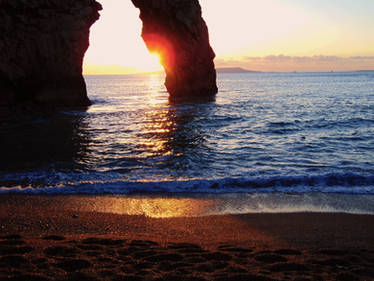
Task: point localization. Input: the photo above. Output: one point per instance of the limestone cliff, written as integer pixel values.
(176, 30)
(42, 45)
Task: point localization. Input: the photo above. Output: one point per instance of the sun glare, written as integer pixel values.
(150, 63)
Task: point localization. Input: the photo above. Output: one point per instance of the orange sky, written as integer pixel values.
(265, 35)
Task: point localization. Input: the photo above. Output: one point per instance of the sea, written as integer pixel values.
(267, 141)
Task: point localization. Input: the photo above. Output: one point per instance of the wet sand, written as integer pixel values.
(61, 238)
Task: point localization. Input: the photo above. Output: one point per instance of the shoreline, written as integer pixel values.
(315, 246)
(182, 218)
(163, 204)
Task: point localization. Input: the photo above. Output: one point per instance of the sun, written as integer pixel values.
(150, 62)
(158, 44)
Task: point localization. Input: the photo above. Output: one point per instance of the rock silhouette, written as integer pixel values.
(177, 32)
(42, 47)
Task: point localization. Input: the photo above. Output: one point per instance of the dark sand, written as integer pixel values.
(72, 238)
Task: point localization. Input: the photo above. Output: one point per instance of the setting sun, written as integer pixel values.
(150, 63)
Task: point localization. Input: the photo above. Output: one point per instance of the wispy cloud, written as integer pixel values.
(300, 63)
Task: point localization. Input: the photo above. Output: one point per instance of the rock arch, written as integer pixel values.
(43, 42)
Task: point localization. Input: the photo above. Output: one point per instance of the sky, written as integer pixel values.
(262, 35)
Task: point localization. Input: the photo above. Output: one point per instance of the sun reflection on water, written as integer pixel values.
(158, 124)
(135, 129)
(156, 91)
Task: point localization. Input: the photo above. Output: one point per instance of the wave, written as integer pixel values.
(318, 123)
(113, 183)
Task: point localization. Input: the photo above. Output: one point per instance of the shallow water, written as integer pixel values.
(264, 132)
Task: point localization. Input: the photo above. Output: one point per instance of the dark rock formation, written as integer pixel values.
(42, 45)
(176, 30)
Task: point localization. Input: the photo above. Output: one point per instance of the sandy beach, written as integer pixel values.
(63, 238)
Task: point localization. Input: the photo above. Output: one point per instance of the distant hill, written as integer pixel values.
(233, 70)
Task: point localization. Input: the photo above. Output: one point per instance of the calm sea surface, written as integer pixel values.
(265, 132)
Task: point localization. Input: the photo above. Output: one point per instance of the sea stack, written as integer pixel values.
(42, 46)
(176, 31)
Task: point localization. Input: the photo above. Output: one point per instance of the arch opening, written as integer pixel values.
(116, 46)
(175, 32)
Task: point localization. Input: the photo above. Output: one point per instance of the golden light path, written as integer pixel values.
(156, 206)
(145, 206)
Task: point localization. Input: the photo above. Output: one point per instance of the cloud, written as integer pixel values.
(299, 63)
(320, 58)
(362, 58)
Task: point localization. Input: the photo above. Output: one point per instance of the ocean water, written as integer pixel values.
(276, 133)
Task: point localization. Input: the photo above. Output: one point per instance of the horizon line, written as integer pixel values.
(244, 70)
